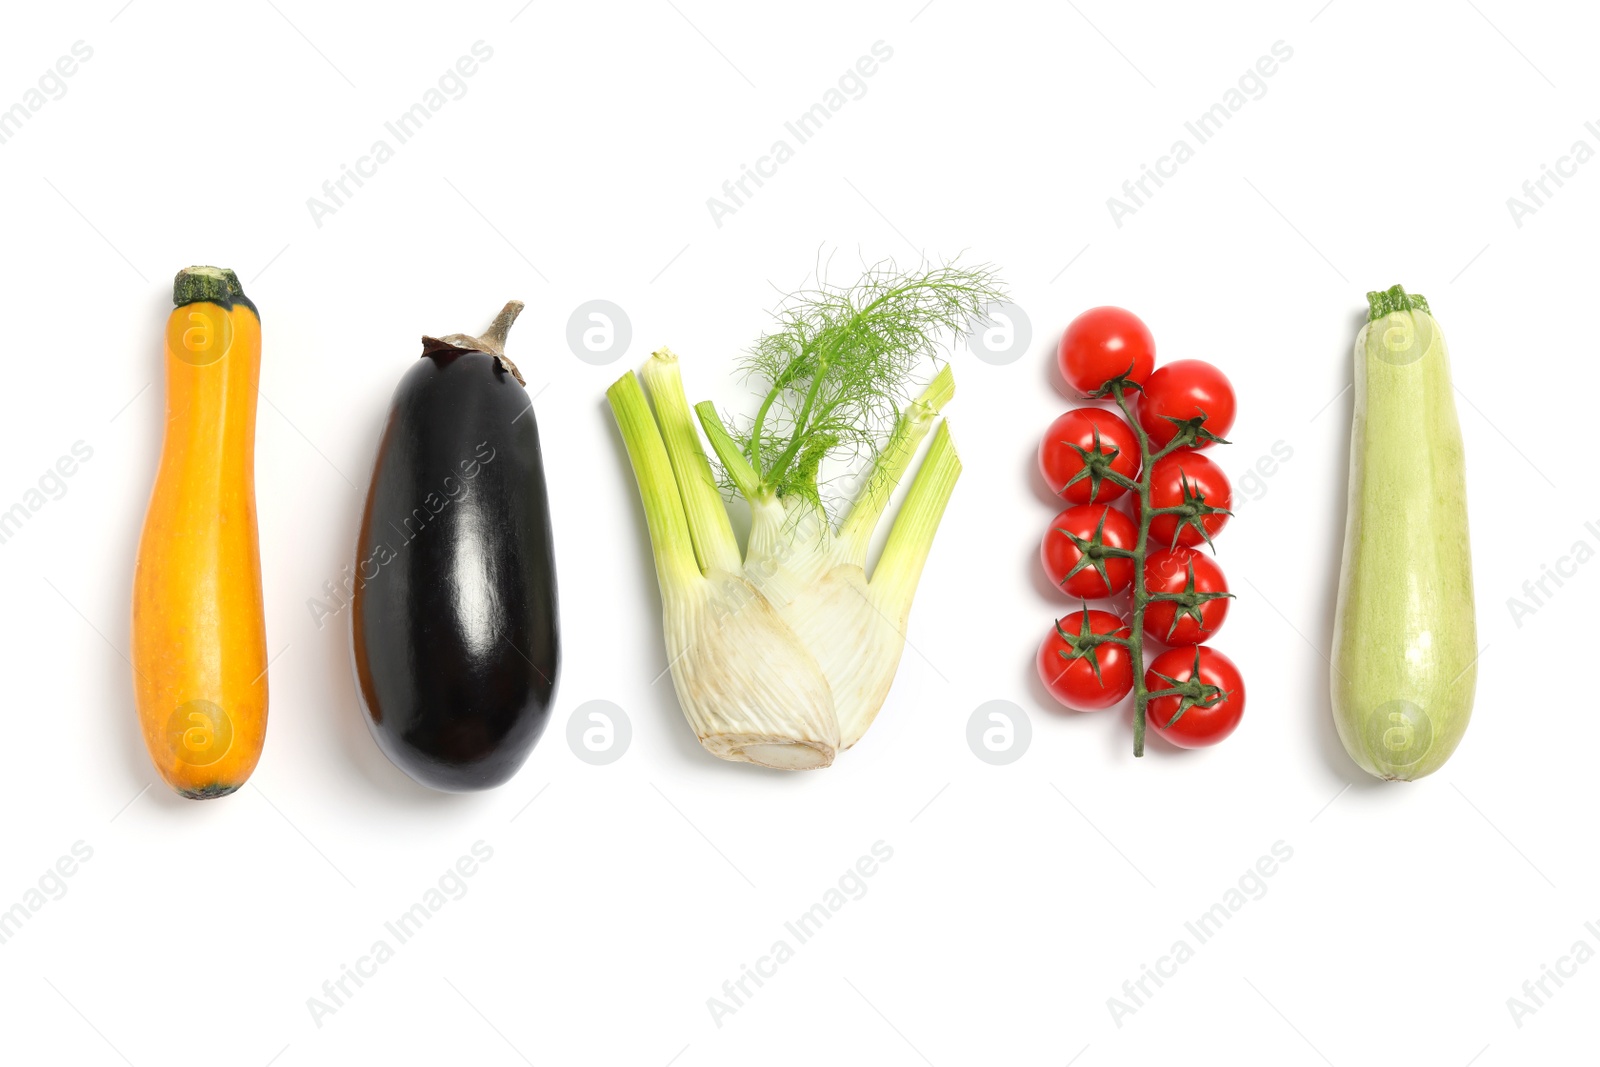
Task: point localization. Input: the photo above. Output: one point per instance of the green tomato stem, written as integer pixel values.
(1141, 597)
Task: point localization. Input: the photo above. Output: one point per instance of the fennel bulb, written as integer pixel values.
(783, 656)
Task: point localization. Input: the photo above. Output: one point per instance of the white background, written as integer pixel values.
(620, 898)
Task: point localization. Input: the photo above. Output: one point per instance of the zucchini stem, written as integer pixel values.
(214, 285)
(1393, 299)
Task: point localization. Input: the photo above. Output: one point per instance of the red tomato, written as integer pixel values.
(1201, 591)
(1105, 343)
(1210, 704)
(1087, 551)
(1081, 672)
(1186, 389)
(1081, 448)
(1190, 481)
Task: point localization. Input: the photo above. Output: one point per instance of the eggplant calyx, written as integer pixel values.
(493, 341)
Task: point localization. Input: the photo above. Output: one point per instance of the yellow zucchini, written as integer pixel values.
(199, 635)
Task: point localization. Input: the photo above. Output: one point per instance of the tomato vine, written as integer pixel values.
(1191, 512)
(1190, 694)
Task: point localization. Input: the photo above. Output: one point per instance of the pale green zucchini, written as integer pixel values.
(1405, 638)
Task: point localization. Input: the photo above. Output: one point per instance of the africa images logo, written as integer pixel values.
(199, 733)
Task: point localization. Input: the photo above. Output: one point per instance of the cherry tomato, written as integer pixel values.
(1195, 578)
(1104, 343)
(1080, 672)
(1186, 389)
(1081, 448)
(1212, 702)
(1190, 481)
(1087, 551)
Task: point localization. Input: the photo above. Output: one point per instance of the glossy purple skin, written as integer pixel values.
(455, 632)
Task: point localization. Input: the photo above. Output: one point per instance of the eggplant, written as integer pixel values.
(455, 634)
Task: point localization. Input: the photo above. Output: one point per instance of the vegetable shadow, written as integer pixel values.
(119, 704)
(1118, 742)
(334, 668)
(1051, 369)
(1036, 480)
(1054, 604)
(1331, 548)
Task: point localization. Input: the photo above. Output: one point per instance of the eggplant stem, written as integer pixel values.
(493, 341)
(495, 335)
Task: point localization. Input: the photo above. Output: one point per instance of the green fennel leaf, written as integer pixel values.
(837, 365)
